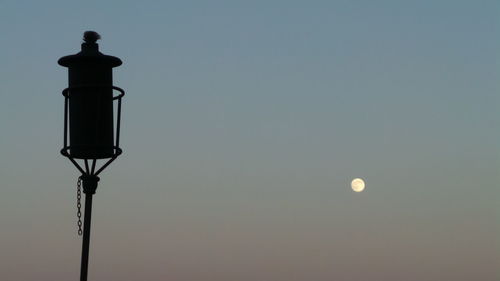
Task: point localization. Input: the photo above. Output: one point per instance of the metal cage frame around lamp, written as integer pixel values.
(90, 168)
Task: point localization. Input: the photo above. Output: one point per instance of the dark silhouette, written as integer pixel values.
(88, 103)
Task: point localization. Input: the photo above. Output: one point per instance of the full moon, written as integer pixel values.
(358, 185)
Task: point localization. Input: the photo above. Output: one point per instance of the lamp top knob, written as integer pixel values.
(91, 37)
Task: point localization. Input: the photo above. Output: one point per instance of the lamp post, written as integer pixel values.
(89, 122)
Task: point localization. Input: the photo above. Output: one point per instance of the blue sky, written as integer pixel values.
(243, 125)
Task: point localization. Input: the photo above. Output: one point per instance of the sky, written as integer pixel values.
(243, 124)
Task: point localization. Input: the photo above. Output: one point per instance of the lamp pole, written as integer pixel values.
(89, 187)
(90, 133)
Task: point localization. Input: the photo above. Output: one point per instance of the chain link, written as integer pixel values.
(79, 205)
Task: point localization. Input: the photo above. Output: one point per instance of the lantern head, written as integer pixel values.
(89, 103)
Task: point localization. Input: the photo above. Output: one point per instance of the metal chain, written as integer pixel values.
(79, 205)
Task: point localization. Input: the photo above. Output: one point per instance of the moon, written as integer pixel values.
(358, 185)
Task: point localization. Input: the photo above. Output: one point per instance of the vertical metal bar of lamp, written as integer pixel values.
(89, 123)
(89, 188)
(86, 237)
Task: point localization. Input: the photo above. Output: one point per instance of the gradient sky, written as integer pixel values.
(243, 124)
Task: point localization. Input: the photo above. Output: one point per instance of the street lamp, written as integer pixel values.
(89, 123)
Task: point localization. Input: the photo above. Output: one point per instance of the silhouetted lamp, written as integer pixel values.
(94, 135)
